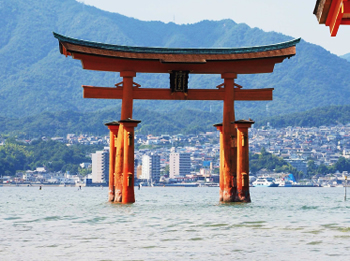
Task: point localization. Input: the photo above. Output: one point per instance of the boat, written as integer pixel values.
(265, 182)
(305, 185)
(283, 182)
(328, 186)
(182, 185)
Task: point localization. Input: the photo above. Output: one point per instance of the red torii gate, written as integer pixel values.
(179, 62)
(333, 13)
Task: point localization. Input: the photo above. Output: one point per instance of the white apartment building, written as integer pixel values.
(100, 166)
(136, 164)
(299, 164)
(151, 167)
(179, 164)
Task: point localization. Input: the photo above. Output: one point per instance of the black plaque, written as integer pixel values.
(179, 81)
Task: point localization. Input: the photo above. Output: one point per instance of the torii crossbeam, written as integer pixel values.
(165, 94)
(179, 62)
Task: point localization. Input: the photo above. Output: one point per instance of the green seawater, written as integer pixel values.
(63, 223)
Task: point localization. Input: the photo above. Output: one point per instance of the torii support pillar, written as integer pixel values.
(128, 194)
(113, 134)
(118, 170)
(242, 126)
(228, 141)
(221, 172)
(126, 113)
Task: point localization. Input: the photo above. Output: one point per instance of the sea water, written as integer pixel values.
(58, 223)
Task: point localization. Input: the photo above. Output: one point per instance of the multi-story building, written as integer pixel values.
(179, 164)
(136, 164)
(299, 164)
(151, 167)
(100, 166)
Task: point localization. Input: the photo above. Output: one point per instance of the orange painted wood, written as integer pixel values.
(254, 94)
(111, 167)
(112, 155)
(335, 16)
(128, 166)
(172, 58)
(333, 13)
(335, 5)
(102, 92)
(118, 176)
(165, 94)
(346, 7)
(263, 65)
(127, 101)
(233, 152)
(221, 167)
(334, 26)
(228, 116)
(114, 60)
(243, 194)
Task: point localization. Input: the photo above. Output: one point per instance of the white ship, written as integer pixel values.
(265, 182)
(283, 182)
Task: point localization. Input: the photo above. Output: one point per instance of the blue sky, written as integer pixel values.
(294, 18)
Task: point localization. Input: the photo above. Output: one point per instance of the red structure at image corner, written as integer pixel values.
(179, 62)
(333, 13)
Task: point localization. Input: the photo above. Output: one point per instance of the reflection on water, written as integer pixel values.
(173, 224)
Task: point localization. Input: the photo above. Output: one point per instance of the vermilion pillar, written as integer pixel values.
(221, 172)
(118, 172)
(127, 102)
(229, 134)
(128, 166)
(126, 113)
(243, 160)
(113, 134)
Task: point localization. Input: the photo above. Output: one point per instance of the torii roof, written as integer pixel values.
(118, 58)
(333, 13)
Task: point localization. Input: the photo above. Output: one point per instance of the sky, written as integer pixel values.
(294, 18)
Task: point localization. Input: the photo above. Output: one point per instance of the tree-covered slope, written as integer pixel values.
(36, 78)
(325, 116)
(62, 123)
(346, 56)
(184, 121)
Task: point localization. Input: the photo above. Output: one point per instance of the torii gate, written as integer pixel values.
(333, 13)
(179, 62)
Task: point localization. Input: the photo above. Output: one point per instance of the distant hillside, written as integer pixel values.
(35, 78)
(346, 56)
(325, 116)
(184, 121)
(61, 123)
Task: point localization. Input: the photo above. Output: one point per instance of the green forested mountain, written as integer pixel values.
(184, 121)
(36, 78)
(325, 116)
(61, 123)
(346, 56)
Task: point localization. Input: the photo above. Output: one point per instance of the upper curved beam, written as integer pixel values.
(161, 50)
(108, 57)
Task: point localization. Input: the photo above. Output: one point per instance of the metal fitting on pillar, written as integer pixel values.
(130, 179)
